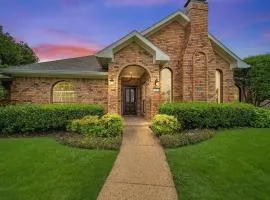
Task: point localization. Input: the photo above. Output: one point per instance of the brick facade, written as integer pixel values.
(131, 55)
(193, 62)
(39, 90)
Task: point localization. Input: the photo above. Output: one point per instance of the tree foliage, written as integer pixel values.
(255, 81)
(14, 53)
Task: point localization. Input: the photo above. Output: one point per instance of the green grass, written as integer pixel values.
(42, 169)
(234, 165)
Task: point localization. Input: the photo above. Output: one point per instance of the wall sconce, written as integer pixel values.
(156, 86)
(111, 81)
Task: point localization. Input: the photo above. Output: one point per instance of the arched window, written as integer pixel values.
(166, 84)
(63, 92)
(219, 86)
(237, 94)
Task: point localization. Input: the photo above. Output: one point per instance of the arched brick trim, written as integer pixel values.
(131, 64)
(119, 85)
(199, 76)
(172, 84)
(221, 84)
(57, 82)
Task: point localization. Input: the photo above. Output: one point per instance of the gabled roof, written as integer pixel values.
(184, 19)
(178, 15)
(109, 51)
(87, 66)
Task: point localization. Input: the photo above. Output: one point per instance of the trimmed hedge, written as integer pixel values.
(109, 125)
(165, 125)
(211, 115)
(33, 118)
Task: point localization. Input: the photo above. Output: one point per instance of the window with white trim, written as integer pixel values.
(63, 92)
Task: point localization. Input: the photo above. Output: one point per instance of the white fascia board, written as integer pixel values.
(239, 62)
(176, 14)
(109, 51)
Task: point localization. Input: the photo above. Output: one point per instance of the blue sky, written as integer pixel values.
(69, 28)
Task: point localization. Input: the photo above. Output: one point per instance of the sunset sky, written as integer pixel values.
(58, 29)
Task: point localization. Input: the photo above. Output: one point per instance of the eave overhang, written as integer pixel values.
(109, 52)
(56, 74)
(236, 61)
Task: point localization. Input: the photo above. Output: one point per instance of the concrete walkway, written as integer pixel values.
(141, 171)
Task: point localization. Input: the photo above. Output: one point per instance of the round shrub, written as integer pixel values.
(165, 125)
(109, 125)
(113, 125)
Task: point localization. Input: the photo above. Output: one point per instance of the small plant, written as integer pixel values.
(109, 125)
(113, 125)
(165, 125)
(185, 138)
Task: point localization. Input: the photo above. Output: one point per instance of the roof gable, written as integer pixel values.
(184, 19)
(178, 15)
(108, 52)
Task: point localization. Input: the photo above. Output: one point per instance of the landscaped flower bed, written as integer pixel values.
(94, 132)
(182, 124)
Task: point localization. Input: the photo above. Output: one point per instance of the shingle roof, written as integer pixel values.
(86, 63)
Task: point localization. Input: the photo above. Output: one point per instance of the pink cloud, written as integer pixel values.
(47, 52)
(66, 45)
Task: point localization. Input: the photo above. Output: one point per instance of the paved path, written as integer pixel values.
(141, 171)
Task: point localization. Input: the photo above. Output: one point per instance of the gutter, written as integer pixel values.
(56, 74)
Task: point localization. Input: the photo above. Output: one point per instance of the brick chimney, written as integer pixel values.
(198, 67)
(197, 11)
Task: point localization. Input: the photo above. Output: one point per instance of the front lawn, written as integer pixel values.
(234, 165)
(40, 168)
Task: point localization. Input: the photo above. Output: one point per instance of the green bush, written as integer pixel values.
(211, 115)
(33, 118)
(113, 125)
(109, 125)
(165, 125)
(184, 139)
(262, 119)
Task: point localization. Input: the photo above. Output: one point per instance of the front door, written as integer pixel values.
(130, 103)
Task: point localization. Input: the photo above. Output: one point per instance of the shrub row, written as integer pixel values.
(35, 118)
(109, 125)
(211, 115)
(184, 139)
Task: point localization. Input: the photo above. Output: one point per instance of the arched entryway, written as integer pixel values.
(134, 91)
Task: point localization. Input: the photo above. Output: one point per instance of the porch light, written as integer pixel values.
(156, 86)
(111, 81)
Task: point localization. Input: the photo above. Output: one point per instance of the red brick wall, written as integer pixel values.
(171, 40)
(38, 90)
(132, 54)
(228, 79)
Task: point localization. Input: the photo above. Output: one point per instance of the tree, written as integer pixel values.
(255, 81)
(14, 53)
